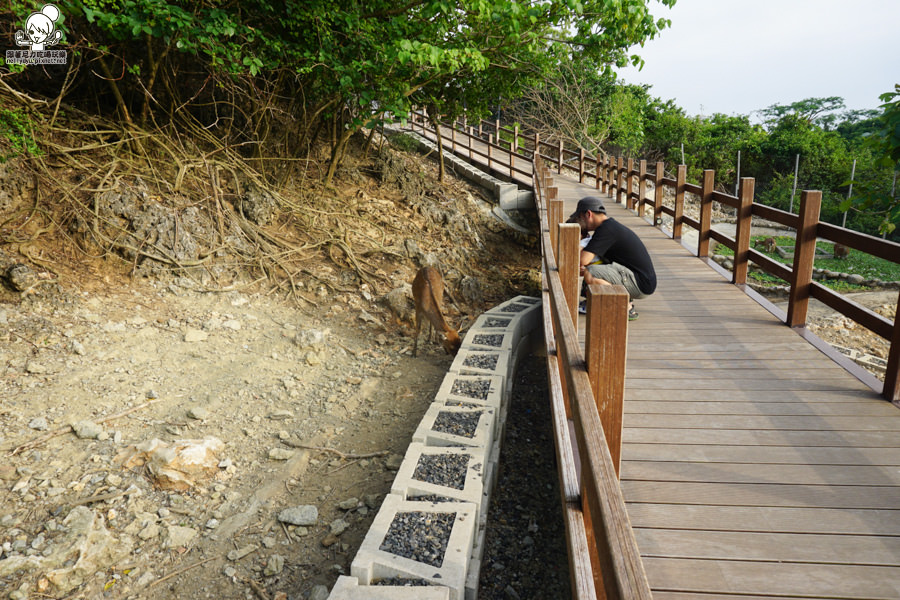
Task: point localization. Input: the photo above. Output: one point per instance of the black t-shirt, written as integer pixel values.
(613, 242)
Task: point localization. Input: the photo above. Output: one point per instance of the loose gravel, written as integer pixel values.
(448, 470)
(462, 424)
(488, 339)
(469, 388)
(482, 361)
(419, 536)
(525, 546)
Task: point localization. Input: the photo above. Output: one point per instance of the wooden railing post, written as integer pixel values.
(703, 237)
(569, 253)
(804, 257)
(742, 235)
(512, 164)
(609, 168)
(453, 138)
(891, 389)
(620, 180)
(658, 193)
(490, 146)
(604, 353)
(554, 210)
(599, 182)
(537, 145)
(470, 142)
(680, 182)
(642, 187)
(560, 153)
(515, 146)
(581, 165)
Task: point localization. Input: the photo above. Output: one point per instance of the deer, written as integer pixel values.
(428, 293)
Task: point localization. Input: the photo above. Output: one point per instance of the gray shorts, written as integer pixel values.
(617, 274)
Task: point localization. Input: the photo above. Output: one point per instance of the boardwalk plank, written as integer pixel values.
(781, 547)
(768, 455)
(797, 474)
(762, 494)
(767, 519)
(773, 578)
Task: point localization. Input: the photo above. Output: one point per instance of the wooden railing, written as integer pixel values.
(587, 393)
(618, 177)
(628, 181)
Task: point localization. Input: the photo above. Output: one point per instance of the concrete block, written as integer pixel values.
(348, 588)
(525, 312)
(476, 362)
(471, 390)
(443, 472)
(444, 425)
(489, 339)
(447, 563)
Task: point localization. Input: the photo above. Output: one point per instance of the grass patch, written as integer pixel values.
(856, 262)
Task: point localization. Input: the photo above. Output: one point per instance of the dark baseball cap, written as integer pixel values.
(588, 203)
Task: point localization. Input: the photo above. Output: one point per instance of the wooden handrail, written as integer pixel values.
(604, 558)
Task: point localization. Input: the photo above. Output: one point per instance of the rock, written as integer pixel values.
(306, 515)
(38, 424)
(856, 279)
(311, 338)
(7, 473)
(274, 565)
(394, 461)
(232, 324)
(20, 277)
(36, 368)
(149, 532)
(86, 548)
(178, 465)
(349, 504)
(280, 454)
(339, 526)
(329, 540)
(179, 537)
(240, 553)
(281, 415)
(399, 302)
(195, 335)
(198, 412)
(86, 430)
(319, 592)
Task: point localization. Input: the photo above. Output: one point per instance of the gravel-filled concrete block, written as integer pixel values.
(478, 362)
(471, 390)
(445, 425)
(441, 473)
(348, 588)
(431, 541)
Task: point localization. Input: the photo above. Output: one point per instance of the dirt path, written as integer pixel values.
(261, 377)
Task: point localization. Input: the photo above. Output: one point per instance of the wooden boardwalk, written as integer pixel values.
(753, 466)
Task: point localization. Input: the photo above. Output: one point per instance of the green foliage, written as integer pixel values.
(877, 195)
(17, 130)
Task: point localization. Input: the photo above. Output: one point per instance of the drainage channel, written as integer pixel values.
(427, 539)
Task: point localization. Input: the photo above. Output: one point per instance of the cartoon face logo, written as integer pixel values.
(40, 29)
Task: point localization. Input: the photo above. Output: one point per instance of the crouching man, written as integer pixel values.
(615, 255)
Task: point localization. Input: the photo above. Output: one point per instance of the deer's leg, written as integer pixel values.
(416, 342)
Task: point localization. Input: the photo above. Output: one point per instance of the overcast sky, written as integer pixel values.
(739, 56)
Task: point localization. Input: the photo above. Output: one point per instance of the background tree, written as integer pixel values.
(878, 194)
